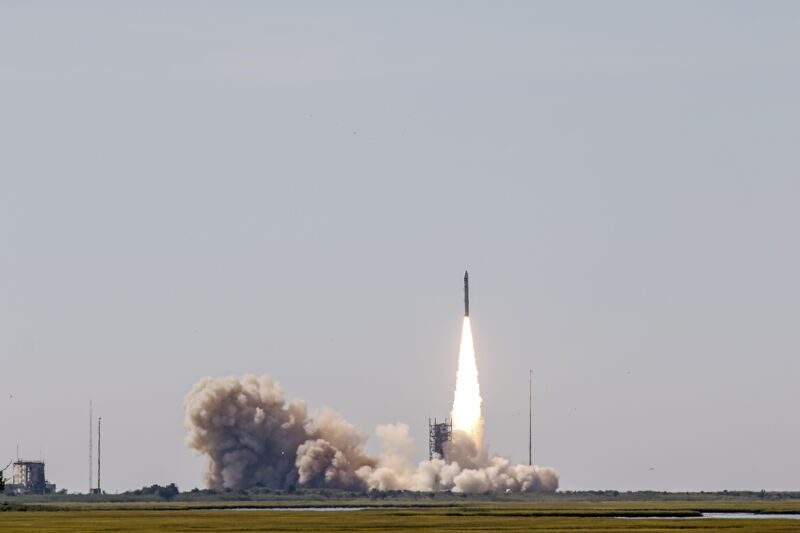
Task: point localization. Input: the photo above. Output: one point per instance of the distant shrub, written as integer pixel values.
(167, 493)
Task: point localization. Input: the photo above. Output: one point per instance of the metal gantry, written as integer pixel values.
(438, 434)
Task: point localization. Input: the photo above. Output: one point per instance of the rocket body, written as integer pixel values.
(466, 293)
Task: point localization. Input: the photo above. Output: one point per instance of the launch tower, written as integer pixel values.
(438, 434)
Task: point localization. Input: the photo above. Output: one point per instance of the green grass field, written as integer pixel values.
(542, 517)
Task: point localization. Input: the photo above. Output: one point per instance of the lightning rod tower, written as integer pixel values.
(90, 446)
(99, 418)
(530, 417)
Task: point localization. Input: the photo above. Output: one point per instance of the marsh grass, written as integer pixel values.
(575, 516)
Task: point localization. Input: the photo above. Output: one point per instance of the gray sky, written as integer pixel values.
(192, 189)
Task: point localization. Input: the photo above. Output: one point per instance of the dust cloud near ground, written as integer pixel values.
(253, 436)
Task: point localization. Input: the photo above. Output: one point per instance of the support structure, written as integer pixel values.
(438, 434)
(29, 477)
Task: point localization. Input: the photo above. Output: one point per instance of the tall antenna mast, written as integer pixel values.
(530, 417)
(99, 418)
(90, 446)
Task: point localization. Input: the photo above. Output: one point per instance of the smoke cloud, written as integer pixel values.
(252, 436)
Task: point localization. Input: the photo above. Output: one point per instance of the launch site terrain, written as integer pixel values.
(401, 511)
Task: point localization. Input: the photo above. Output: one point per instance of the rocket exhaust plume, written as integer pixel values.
(466, 413)
(251, 436)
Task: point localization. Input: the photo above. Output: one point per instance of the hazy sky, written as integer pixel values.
(193, 189)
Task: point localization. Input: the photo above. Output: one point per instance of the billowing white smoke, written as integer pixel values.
(252, 436)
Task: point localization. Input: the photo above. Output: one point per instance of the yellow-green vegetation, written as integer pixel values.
(483, 516)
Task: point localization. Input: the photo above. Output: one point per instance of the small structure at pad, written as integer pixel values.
(438, 434)
(29, 478)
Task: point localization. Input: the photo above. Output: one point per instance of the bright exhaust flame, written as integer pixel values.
(466, 412)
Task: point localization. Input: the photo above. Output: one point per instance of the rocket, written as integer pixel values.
(466, 293)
